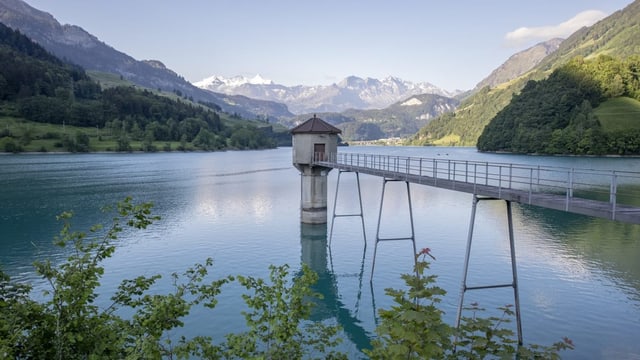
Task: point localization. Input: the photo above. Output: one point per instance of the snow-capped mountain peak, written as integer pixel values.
(352, 92)
(259, 80)
(216, 81)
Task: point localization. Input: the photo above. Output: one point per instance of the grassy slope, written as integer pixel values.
(108, 80)
(617, 36)
(619, 114)
(48, 137)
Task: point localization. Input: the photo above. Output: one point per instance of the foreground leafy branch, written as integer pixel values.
(69, 325)
(276, 319)
(414, 328)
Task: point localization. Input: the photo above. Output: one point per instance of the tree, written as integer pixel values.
(205, 140)
(147, 143)
(3, 87)
(123, 143)
(81, 142)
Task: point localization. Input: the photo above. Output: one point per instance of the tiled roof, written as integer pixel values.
(315, 125)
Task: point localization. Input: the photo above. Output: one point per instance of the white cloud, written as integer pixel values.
(563, 30)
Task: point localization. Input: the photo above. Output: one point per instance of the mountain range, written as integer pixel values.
(74, 44)
(351, 93)
(361, 107)
(401, 119)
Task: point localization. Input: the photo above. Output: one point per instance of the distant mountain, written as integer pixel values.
(74, 44)
(350, 93)
(520, 63)
(618, 35)
(37, 87)
(401, 119)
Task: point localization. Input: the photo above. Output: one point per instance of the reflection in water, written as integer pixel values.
(313, 241)
(612, 246)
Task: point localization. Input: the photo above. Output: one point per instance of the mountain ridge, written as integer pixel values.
(41, 96)
(519, 63)
(400, 119)
(616, 35)
(351, 92)
(76, 45)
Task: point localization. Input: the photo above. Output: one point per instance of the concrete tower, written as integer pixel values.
(314, 139)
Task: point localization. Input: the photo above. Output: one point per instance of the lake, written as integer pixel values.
(579, 276)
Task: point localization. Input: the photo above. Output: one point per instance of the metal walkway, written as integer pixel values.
(613, 195)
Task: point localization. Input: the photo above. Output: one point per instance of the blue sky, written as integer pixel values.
(452, 44)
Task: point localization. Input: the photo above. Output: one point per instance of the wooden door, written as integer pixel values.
(318, 152)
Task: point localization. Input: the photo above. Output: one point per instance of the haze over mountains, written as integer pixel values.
(351, 93)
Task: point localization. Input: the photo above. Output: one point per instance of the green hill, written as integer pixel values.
(617, 35)
(556, 115)
(47, 104)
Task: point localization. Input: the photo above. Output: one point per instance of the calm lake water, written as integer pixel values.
(579, 276)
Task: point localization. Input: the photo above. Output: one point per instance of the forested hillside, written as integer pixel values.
(556, 115)
(617, 35)
(37, 87)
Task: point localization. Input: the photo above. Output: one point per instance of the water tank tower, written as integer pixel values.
(312, 140)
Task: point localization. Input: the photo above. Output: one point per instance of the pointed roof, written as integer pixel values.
(315, 125)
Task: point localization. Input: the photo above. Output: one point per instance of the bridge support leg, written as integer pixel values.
(378, 239)
(513, 284)
(335, 202)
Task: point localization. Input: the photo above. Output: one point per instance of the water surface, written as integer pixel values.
(579, 276)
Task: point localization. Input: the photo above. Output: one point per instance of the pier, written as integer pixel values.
(603, 194)
(613, 195)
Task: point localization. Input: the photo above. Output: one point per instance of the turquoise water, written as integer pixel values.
(579, 276)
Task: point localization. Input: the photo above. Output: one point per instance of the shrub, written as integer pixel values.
(11, 146)
(414, 328)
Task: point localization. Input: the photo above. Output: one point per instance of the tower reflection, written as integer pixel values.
(317, 255)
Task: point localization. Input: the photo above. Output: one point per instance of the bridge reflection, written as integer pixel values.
(317, 255)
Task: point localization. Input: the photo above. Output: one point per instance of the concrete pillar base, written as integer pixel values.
(313, 205)
(313, 215)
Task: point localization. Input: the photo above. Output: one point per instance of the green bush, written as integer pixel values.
(11, 146)
(414, 328)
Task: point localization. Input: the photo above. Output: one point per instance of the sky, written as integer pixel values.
(452, 44)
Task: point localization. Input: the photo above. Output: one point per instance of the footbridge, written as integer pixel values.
(613, 195)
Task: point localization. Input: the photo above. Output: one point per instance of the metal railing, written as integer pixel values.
(613, 186)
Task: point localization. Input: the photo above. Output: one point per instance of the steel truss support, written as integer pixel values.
(513, 284)
(335, 202)
(378, 239)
